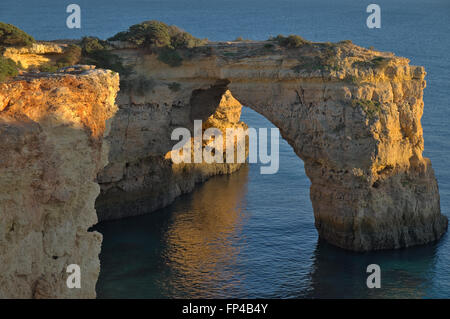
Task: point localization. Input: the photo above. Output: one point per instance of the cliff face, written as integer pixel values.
(141, 176)
(352, 115)
(52, 148)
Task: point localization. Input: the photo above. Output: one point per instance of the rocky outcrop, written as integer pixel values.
(52, 129)
(352, 114)
(35, 55)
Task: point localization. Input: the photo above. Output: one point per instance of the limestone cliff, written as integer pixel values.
(352, 114)
(141, 176)
(35, 55)
(52, 129)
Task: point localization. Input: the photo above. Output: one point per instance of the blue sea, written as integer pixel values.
(250, 235)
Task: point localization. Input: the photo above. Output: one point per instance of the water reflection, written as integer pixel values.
(405, 273)
(201, 242)
(187, 250)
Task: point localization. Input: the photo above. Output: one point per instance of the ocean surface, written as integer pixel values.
(250, 235)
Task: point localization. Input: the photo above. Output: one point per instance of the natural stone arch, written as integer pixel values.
(368, 190)
(355, 125)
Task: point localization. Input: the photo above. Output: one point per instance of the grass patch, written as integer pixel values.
(371, 108)
(325, 60)
(292, 41)
(375, 63)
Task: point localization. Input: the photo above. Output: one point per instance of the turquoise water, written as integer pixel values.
(252, 235)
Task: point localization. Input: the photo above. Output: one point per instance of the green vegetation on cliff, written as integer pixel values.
(291, 41)
(97, 52)
(12, 36)
(375, 63)
(371, 108)
(161, 38)
(71, 56)
(156, 34)
(8, 68)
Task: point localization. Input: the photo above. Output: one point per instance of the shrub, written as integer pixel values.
(104, 59)
(146, 34)
(292, 41)
(8, 68)
(13, 36)
(170, 57)
(71, 55)
(180, 39)
(91, 44)
(151, 34)
(96, 52)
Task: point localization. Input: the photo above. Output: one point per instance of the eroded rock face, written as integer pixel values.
(52, 129)
(352, 114)
(35, 55)
(141, 176)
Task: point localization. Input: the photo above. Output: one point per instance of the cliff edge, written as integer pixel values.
(52, 128)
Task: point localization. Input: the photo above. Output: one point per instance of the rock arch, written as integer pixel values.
(354, 121)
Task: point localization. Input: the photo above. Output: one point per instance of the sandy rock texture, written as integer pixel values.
(35, 55)
(52, 129)
(352, 114)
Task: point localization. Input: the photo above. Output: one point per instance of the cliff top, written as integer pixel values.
(175, 47)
